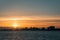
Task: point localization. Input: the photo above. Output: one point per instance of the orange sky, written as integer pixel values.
(37, 13)
(11, 22)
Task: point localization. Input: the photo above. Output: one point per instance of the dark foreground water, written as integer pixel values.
(29, 35)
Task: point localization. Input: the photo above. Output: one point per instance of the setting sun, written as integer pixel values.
(14, 25)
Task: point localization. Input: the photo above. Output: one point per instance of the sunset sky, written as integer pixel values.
(22, 13)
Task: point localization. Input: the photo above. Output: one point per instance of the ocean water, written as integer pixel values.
(29, 35)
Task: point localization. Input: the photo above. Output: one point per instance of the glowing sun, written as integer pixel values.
(15, 25)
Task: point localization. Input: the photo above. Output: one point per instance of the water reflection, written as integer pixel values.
(29, 35)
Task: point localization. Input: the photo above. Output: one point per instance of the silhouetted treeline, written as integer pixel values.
(5, 29)
(50, 28)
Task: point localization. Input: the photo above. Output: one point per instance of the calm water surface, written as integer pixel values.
(29, 35)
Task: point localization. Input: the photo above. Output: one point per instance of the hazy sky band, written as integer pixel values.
(30, 23)
(40, 8)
